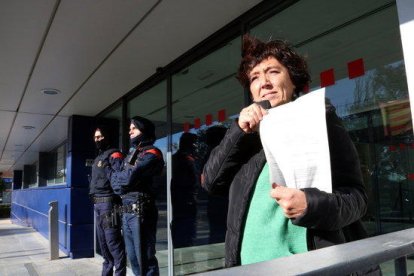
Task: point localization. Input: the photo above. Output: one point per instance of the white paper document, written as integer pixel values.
(295, 141)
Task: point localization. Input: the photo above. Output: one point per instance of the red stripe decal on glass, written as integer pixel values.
(209, 119)
(356, 68)
(222, 115)
(197, 123)
(327, 78)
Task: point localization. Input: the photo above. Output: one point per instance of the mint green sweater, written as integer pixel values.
(268, 234)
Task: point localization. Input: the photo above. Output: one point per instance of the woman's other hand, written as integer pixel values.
(293, 201)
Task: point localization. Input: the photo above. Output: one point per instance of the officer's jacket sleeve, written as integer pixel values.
(115, 161)
(348, 201)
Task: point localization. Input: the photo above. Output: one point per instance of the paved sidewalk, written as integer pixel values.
(23, 251)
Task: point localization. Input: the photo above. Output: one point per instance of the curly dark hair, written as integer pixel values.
(255, 51)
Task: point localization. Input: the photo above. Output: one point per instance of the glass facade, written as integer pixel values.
(31, 175)
(357, 55)
(204, 95)
(49, 170)
(116, 113)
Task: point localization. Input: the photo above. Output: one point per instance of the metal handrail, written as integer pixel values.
(340, 259)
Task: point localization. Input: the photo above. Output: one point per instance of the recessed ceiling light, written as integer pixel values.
(50, 91)
(28, 127)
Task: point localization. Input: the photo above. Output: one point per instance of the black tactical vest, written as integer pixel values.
(100, 184)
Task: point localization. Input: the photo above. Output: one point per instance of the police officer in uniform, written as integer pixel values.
(132, 179)
(108, 226)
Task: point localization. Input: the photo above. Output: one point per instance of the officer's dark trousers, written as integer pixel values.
(110, 241)
(140, 237)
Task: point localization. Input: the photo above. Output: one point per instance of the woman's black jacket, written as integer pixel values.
(331, 218)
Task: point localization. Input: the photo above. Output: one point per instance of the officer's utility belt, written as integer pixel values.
(103, 199)
(131, 208)
(139, 206)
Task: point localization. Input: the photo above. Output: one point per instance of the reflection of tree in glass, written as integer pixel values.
(380, 85)
(203, 148)
(380, 116)
(391, 165)
(174, 146)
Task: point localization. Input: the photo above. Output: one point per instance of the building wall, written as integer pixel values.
(30, 207)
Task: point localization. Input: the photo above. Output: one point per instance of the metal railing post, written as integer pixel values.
(53, 230)
(400, 266)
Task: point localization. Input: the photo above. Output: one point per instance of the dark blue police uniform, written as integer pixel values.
(132, 179)
(108, 226)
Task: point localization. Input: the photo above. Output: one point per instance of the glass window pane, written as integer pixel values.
(205, 94)
(56, 173)
(360, 49)
(61, 164)
(116, 113)
(32, 175)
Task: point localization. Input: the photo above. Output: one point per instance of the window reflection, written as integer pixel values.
(184, 190)
(373, 103)
(30, 175)
(206, 95)
(378, 116)
(116, 113)
(216, 206)
(56, 173)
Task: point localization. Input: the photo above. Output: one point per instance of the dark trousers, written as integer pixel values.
(110, 241)
(140, 237)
